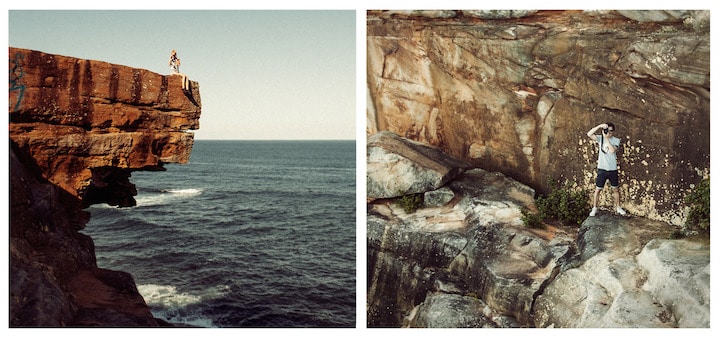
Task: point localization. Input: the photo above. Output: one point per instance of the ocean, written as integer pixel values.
(247, 234)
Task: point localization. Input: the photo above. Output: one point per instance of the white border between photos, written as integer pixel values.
(361, 101)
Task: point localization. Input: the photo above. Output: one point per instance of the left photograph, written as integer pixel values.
(182, 168)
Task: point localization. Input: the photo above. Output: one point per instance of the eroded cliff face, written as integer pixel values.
(516, 92)
(78, 128)
(89, 123)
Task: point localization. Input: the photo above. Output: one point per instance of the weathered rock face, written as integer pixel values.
(516, 92)
(398, 166)
(628, 275)
(475, 246)
(77, 130)
(470, 262)
(89, 123)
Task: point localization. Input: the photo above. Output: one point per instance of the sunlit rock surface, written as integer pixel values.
(516, 92)
(78, 128)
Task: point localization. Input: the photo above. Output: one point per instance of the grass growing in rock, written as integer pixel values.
(532, 220)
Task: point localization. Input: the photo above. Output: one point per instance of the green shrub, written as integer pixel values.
(410, 203)
(699, 201)
(532, 220)
(563, 204)
(569, 206)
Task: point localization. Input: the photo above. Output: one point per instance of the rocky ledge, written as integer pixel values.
(78, 129)
(465, 259)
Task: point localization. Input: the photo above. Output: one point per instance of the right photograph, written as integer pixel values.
(538, 169)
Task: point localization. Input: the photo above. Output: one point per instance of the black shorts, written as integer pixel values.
(603, 175)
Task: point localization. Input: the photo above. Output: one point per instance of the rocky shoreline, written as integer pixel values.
(78, 129)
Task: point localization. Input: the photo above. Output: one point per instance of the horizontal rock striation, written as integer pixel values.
(84, 121)
(78, 128)
(516, 92)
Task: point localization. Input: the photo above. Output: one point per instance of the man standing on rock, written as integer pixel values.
(174, 64)
(607, 166)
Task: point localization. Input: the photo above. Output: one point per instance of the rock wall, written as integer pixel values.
(516, 92)
(78, 128)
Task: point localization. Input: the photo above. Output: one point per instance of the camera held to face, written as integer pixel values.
(605, 131)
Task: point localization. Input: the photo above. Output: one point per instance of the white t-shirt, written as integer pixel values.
(607, 160)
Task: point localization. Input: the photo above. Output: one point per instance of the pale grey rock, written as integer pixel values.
(679, 276)
(438, 197)
(498, 14)
(398, 166)
(450, 311)
(656, 15)
(626, 277)
(471, 263)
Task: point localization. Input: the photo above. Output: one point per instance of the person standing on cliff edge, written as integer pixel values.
(174, 64)
(607, 165)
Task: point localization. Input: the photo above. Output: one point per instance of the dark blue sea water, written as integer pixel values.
(248, 234)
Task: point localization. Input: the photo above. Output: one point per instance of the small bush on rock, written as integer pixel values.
(563, 204)
(410, 203)
(532, 220)
(677, 234)
(699, 201)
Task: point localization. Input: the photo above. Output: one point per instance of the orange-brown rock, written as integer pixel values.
(77, 118)
(78, 128)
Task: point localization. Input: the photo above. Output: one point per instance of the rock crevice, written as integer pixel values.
(467, 260)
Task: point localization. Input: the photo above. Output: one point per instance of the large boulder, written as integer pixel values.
(398, 166)
(475, 246)
(628, 275)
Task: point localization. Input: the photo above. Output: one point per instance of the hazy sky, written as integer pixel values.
(278, 74)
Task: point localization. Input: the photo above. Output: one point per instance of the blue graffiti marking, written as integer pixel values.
(16, 75)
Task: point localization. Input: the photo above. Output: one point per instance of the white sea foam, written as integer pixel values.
(146, 200)
(166, 296)
(171, 301)
(166, 196)
(189, 191)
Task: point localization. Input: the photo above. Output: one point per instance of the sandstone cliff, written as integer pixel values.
(465, 259)
(78, 128)
(516, 92)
